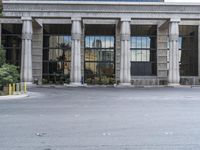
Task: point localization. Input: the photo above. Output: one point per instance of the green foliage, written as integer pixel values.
(2, 56)
(8, 74)
(101, 81)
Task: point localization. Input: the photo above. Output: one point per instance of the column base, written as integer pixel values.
(124, 85)
(174, 84)
(75, 84)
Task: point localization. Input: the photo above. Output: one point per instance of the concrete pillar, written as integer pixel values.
(75, 75)
(125, 62)
(26, 55)
(174, 72)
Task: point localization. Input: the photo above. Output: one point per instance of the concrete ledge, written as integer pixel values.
(75, 85)
(9, 97)
(124, 85)
(174, 85)
(117, 86)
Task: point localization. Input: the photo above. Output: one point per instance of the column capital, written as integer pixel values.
(175, 20)
(76, 29)
(174, 30)
(27, 30)
(125, 31)
(76, 18)
(125, 19)
(26, 18)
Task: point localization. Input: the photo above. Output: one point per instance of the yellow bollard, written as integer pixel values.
(14, 88)
(10, 89)
(25, 88)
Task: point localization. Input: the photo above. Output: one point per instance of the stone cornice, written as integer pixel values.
(42, 6)
(85, 2)
(100, 9)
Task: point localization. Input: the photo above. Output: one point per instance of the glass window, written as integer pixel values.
(99, 59)
(143, 50)
(56, 53)
(11, 41)
(188, 50)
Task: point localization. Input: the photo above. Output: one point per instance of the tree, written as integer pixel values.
(8, 74)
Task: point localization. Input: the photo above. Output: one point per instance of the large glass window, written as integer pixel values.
(188, 50)
(99, 59)
(143, 50)
(11, 41)
(56, 54)
(99, 54)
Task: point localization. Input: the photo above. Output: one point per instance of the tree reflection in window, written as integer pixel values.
(56, 59)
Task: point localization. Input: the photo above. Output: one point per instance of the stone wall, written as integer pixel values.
(37, 51)
(117, 52)
(162, 50)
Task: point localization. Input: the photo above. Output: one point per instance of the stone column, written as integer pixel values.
(75, 75)
(125, 62)
(174, 72)
(26, 55)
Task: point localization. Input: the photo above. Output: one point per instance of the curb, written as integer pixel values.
(9, 97)
(117, 86)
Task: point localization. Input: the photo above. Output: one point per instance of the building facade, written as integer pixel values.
(92, 42)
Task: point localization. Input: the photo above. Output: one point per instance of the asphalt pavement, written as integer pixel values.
(102, 119)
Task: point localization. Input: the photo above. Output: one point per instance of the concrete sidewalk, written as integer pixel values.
(8, 97)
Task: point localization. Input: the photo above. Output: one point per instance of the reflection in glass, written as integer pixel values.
(99, 59)
(99, 41)
(188, 50)
(11, 41)
(56, 54)
(143, 50)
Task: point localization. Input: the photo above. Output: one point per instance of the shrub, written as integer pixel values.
(111, 81)
(8, 74)
(45, 81)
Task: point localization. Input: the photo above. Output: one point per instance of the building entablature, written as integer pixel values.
(100, 9)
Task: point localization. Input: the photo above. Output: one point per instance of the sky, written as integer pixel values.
(197, 1)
